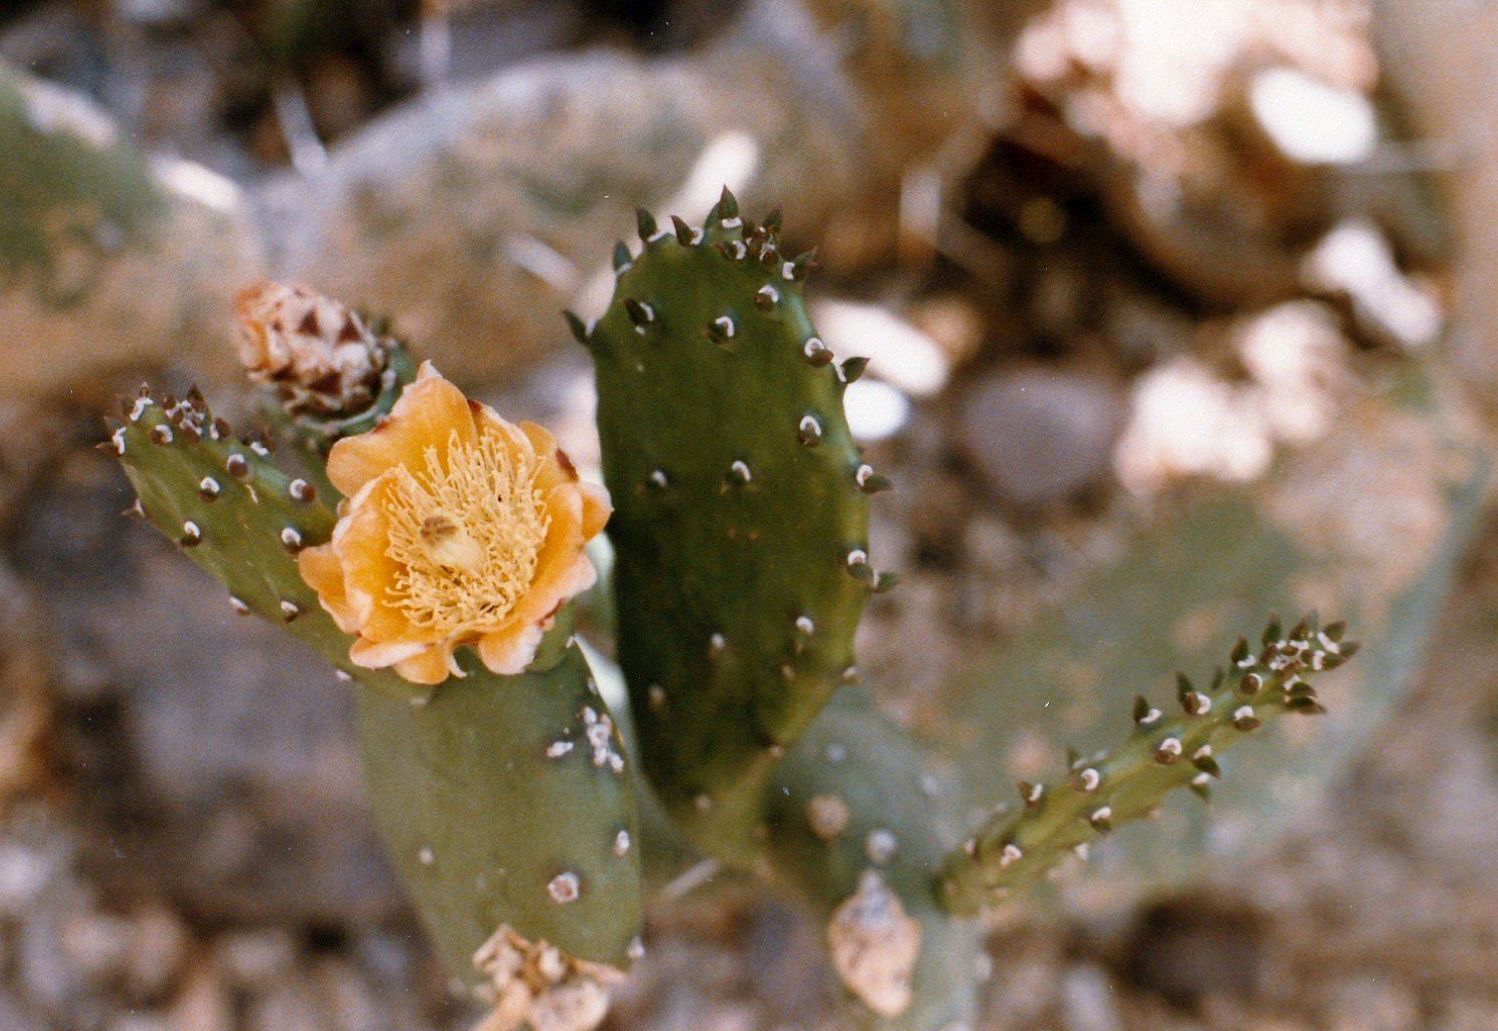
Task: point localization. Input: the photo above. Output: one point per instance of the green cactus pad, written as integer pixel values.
(502, 800)
(1019, 846)
(856, 795)
(741, 515)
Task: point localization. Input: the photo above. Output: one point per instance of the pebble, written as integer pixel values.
(1087, 1000)
(204, 1003)
(256, 960)
(97, 943)
(50, 980)
(292, 1003)
(1373, 1003)
(158, 946)
(24, 874)
(1037, 436)
(141, 1022)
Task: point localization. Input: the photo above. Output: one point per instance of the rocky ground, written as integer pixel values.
(185, 843)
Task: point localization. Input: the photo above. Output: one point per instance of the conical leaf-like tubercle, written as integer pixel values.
(1019, 846)
(503, 801)
(740, 521)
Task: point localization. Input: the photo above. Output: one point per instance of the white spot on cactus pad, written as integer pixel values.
(537, 985)
(880, 846)
(828, 816)
(599, 730)
(874, 945)
(564, 888)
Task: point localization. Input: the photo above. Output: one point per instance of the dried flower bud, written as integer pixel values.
(316, 353)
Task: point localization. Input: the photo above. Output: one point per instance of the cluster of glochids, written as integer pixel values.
(1018, 847)
(741, 571)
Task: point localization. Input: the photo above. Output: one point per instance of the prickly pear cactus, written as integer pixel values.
(741, 512)
(504, 800)
(1017, 847)
(860, 820)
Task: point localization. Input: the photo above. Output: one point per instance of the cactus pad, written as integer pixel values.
(741, 512)
(860, 821)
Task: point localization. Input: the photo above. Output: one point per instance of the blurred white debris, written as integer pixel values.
(1355, 258)
(308, 155)
(542, 261)
(729, 159)
(920, 211)
(201, 184)
(690, 879)
(1187, 422)
(155, 13)
(1297, 355)
(1087, 1000)
(435, 45)
(1310, 121)
(875, 410)
(898, 352)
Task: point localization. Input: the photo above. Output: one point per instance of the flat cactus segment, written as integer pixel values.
(860, 822)
(1018, 847)
(503, 800)
(740, 525)
(236, 515)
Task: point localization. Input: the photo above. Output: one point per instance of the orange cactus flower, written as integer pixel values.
(457, 528)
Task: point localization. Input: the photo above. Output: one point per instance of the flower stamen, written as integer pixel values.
(465, 538)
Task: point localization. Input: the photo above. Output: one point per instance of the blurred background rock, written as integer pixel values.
(1176, 308)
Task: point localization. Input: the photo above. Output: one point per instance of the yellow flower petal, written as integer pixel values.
(509, 651)
(323, 573)
(429, 667)
(427, 415)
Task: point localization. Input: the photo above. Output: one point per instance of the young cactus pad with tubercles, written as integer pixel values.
(1016, 848)
(503, 800)
(741, 512)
